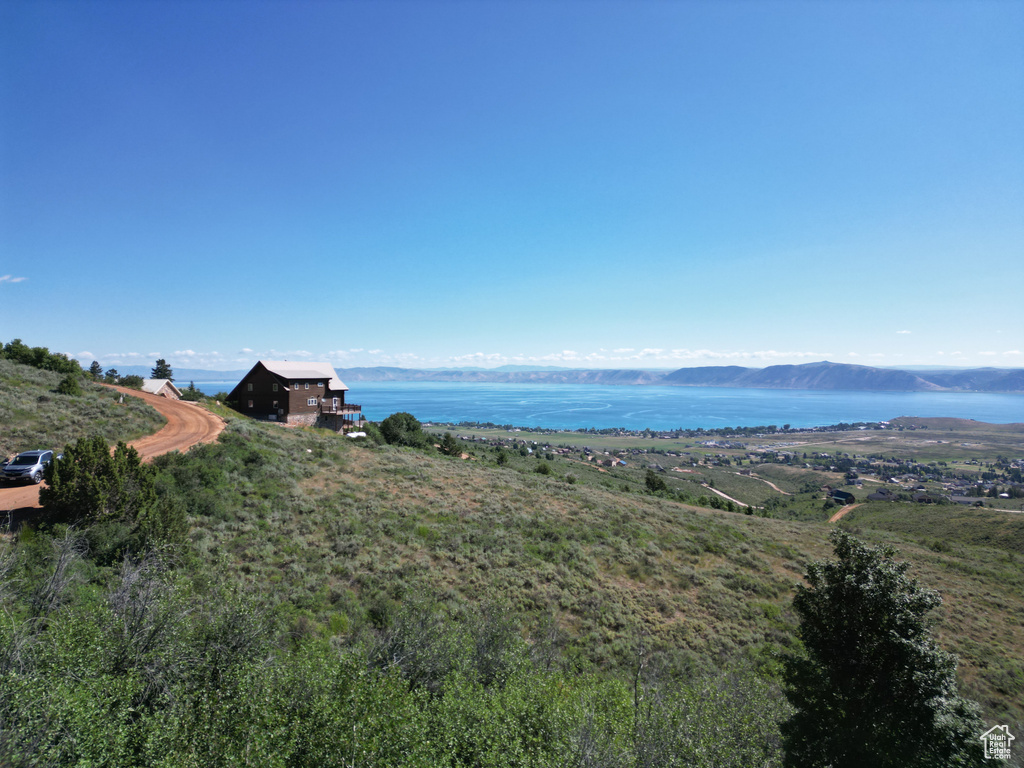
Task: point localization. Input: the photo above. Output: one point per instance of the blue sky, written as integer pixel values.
(598, 184)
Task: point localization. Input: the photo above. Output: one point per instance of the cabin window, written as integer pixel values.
(307, 385)
(320, 384)
(311, 401)
(296, 387)
(250, 386)
(275, 403)
(250, 403)
(275, 386)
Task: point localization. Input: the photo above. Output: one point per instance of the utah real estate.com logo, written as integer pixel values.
(997, 742)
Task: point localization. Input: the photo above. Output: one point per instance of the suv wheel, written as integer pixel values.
(37, 477)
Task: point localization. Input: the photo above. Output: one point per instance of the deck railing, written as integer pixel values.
(327, 407)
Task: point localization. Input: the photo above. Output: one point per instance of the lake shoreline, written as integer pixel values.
(570, 407)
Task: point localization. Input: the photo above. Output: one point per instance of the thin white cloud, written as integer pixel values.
(245, 351)
(902, 331)
(480, 357)
(187, 353)
(1012, 352)
(987, 354)
(12, 279)
(628, 357)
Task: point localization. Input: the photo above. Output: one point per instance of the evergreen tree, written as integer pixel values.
(872, 687)
(92, 485)
(191, 393)
(450, 446)
(653, 482)
(162, 370)
(96, 370)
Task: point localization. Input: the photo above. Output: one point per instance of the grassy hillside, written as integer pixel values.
(338, 534)
(35, 415)
(315, 557)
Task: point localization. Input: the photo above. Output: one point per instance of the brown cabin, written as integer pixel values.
(296, 393)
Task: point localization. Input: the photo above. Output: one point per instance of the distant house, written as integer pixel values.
(968, 501)
(161, 387)
(296, 393)
(924, 497)
(843, 497)
(884, 494)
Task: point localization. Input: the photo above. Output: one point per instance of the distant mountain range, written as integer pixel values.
(823, 375)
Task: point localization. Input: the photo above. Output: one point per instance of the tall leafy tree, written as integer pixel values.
(162, 370)
(872, 687)
(96, 370)
(403, 429)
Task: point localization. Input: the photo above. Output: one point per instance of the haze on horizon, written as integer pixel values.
(430, 184)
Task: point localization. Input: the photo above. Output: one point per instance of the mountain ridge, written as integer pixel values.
(823, 375)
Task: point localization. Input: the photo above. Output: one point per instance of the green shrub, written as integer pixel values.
(404, 429)
(70, 385)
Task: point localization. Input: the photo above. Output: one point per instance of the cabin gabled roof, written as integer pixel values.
(304, 370)
(153, 386)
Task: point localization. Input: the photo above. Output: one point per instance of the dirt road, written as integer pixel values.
(770, 483)
(838, 515)
(187, 425)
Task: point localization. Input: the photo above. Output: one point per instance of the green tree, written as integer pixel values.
(162, 370)
(96, 370)
(190, 393)
(872, 688)
(450, 446)
(403, 429)
(69, 386)
(112, 376)
(92, 485)
(653, 482)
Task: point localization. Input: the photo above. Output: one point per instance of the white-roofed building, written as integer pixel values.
(296, 393)
(161, 387)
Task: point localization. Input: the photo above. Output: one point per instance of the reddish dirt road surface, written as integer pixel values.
(187, 425)
(839, 515)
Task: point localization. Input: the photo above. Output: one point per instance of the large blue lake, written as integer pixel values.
(575, 406)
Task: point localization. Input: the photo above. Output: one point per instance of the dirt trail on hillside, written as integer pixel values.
(187, 425)
(838, 515)
(727, 498)
(773, 485)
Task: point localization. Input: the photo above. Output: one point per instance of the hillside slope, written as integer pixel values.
(338, 533)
